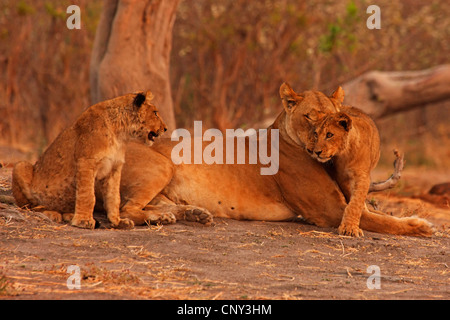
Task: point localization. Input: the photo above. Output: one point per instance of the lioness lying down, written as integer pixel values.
(90, 154)
(153, 189)
(153, 186)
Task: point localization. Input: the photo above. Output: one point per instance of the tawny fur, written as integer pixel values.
(350, 139)
(153, 189)
(301, 187)
(88, 155)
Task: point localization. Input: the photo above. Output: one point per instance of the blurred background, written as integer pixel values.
(228, 60)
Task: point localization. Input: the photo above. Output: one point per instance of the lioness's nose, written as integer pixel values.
(318, 153)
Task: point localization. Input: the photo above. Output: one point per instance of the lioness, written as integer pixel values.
(238, 191)
(351, 140)
(89, 153)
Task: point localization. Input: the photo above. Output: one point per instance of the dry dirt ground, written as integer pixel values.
(229, 260)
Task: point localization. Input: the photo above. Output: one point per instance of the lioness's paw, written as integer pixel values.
(350, 230)
(83, 223)
(162, 218)
(67, 217)
(125, 224)
(54, 216)
(167, 218)
(198, 215)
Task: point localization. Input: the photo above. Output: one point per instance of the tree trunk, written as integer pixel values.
(384, 93)
(132, 52)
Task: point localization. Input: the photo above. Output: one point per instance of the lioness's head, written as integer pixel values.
(147, 124)
(329, 136)
(304, 109)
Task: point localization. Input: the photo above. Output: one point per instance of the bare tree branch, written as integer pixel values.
(394, 178)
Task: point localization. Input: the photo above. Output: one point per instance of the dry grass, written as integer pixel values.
(231, 260)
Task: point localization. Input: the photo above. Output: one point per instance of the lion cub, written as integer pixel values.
(351, 140)
(88, 157)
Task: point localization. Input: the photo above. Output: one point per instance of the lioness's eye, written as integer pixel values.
(307, 117)
(329, 135)
(155, 112)
(316, 135)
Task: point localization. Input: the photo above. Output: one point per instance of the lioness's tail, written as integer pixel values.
(21, 183)
(383, 223)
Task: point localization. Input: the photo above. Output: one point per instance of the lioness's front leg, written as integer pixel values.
(352, 214)
(111, 198)
(85, 195)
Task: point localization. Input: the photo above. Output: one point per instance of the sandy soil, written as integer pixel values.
(229, 260)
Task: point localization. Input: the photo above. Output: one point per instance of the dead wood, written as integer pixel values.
(394, 178)
(381, 94)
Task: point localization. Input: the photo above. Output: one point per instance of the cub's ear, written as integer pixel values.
(289, 97)
(338, 94)
(344, 121)
(141, 97)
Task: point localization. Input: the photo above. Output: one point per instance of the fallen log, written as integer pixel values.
(381, 94)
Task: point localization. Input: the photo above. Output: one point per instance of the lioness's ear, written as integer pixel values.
(288, 97)
(344, 121)
(338, 94)
(286, 90)
(148, 95)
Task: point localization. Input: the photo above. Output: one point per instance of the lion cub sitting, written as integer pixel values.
(351, 140)
(88, 157)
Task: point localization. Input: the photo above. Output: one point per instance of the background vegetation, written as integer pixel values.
(228, 60)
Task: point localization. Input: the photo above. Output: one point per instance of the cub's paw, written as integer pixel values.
(198, 215)
(350, 230)
(83, 223)
(124, 224)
